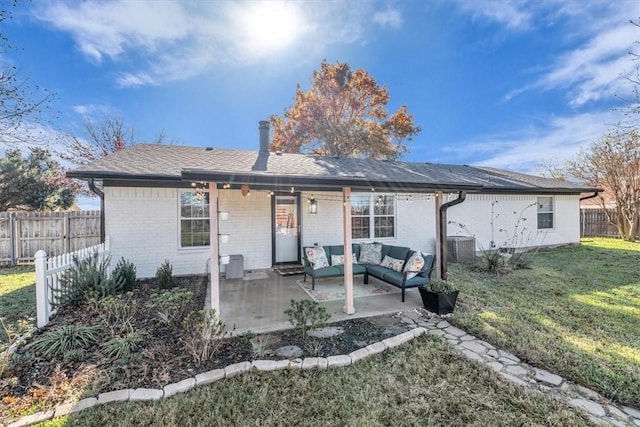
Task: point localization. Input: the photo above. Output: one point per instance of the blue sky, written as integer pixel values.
(508, 84)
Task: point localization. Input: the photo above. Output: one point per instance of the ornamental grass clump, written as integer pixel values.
(65, 338)
(201, 334)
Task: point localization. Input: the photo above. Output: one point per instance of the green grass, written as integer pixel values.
(421, 383)
(576, 313)
(17, 300)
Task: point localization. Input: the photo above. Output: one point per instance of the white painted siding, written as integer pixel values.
(475, 215)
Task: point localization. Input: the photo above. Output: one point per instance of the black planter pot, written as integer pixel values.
(441, 303)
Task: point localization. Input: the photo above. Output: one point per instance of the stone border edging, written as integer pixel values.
(505, 364)
(142, 394)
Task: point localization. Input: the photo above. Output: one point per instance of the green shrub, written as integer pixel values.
(440, 286)
(118, 311)
(171, 305)
(124, 275)
(164, 275)
(201, 333)
(306, 314)
(87, 277)
(120, 347)
(65, 338)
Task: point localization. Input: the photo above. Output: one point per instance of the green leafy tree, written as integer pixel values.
(36, 182)
(344, 114)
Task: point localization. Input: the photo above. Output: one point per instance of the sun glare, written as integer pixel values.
(271, 25)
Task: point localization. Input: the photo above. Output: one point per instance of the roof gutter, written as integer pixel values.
(443, 232)
(95, 190)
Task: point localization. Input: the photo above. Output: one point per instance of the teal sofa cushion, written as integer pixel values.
(396, 278)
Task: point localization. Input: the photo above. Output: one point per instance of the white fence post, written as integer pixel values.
(42, 300)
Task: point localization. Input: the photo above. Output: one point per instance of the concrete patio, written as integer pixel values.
(259, 305)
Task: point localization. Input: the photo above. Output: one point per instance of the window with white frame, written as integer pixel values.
(194, 219)
(545, 212)
(373, 216)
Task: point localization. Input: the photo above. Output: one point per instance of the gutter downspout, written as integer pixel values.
(595, 194)
(443, 232)
(99, 193)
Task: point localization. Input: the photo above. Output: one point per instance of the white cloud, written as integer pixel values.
(512, 14)
(556, 139)
(156, 42)
(593, 51)
(389, 18)
(93, 109)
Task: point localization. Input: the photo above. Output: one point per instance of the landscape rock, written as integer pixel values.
(289, 352)
(146, 394)
(588, 405)
(547, 377)
(236, 368)
(264, 365)
(329, 331)
(38, 417)
(179, 387)
(338, 361)
(474, 346)
(453, 331)
(209, 377)
(114, 396)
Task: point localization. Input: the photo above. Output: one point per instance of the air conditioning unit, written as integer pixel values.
(461, 249)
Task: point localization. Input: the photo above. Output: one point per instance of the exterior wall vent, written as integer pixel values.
(461, 249)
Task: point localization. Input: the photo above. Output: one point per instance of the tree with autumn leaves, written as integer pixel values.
(344, 114)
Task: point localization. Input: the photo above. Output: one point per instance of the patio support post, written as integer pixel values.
(213, 243)
(348, 253)
(438, 243)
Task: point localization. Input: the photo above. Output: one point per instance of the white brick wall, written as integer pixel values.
(143, 225)
(415, 222)
(475, 215)
(248, 226)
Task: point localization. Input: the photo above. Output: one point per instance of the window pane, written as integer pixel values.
(359, 227)
(545, 204)
(194, 225)
(545, 220)
(384, 205)
(359, 205)
(384, 227)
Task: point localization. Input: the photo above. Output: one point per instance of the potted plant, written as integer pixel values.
(439, 297)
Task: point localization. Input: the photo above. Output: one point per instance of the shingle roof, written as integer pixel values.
(154, 162)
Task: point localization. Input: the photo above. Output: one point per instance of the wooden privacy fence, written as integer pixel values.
(594, 223)
(48, 274)
(24, 233)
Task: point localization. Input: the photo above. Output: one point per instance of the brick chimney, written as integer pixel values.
(264, 136)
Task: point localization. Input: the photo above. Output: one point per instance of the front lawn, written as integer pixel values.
(17, 301)
(576, 313)
(420, 383)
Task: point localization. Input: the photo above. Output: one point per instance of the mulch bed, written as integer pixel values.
(33, 382)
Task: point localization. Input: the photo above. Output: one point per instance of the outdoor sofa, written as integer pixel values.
(395, 271)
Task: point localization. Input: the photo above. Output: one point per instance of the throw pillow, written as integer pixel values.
(392, 263)
(339, 259)
(317, 257)
(415, 263)
(370, 253)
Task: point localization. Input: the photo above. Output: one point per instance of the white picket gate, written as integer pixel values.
(49, 271)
